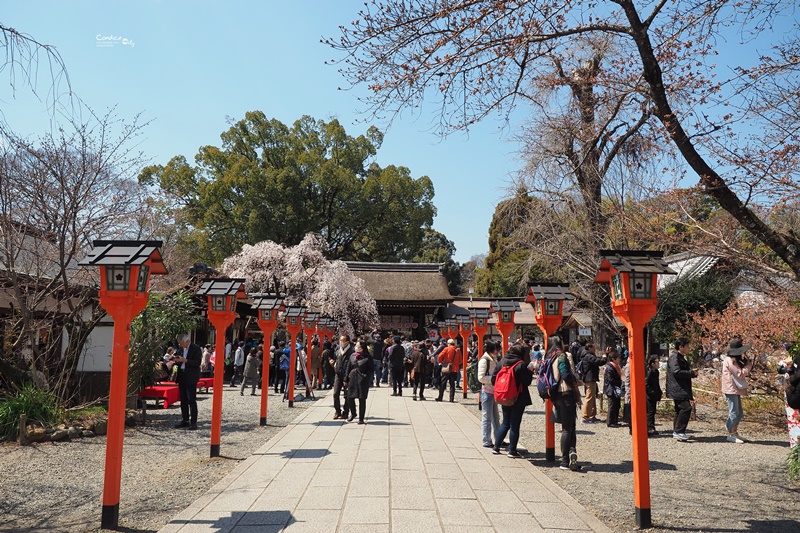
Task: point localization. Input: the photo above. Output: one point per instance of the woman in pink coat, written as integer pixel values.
(735, 369)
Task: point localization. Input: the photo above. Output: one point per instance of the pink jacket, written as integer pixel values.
(730, 370)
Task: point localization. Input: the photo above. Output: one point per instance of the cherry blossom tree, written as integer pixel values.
(304, 276)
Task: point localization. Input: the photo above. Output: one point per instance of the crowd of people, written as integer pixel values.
(350, 367)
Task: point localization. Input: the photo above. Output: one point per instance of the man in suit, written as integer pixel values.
(188, 360)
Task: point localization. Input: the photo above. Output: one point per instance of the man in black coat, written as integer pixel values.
(590, 366)
(188, 360)
(343, 353)
(679, 387)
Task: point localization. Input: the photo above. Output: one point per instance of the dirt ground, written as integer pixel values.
(704, 485)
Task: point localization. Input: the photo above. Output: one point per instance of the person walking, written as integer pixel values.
(565, 400)
(490, 414)
(653, 393)
(397, 359)
(419, 371)
(251, 367)
(518, 359)
(679, 388)
(449, 358)
(316, 364)
(238, 363)
(735, 369)
(343, 353)
(358, 368)
(188, 359)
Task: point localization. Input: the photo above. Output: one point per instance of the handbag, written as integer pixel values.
(446, 368)
(739, 383)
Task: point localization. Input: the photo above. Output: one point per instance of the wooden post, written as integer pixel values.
(22, 438)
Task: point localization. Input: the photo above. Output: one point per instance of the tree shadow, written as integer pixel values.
(311, 453)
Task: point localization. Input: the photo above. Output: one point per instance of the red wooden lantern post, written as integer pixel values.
(452, 328)
(125, 269)
(633, 277)
(480, 323)
(548, 300)
(268, 307)
(465, 331)
(309, 328)
(222, 295)
(294, 324)
(505, 310)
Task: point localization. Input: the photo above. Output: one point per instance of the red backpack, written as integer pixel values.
(506, 389)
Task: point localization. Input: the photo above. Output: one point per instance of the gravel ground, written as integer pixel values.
(705, 485)
(58, 486)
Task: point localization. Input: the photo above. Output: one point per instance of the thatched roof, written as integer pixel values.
(414, 283)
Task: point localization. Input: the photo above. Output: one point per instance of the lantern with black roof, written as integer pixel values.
(125, 270)
(268, 306)
(505, 309)
(222, 294)
(480, 324)
(548, 300)
(293, 316)
(443, 328)
(452, 328)
(633, 276)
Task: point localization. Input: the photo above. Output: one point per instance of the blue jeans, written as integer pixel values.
(512, 419)
(490, 417)
(735, 412)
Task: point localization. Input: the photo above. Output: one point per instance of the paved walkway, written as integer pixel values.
(415, 467)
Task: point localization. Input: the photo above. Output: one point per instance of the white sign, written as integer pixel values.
(584, 332)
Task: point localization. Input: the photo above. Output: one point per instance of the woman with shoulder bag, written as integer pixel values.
(566, 402)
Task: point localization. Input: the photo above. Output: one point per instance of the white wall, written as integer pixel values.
(96, 355)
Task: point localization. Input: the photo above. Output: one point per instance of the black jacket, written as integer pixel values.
(652, 385)
(679, 377)
(190, 374)
(522, 375)
(357, 368)
(611, 379)
(397, 356)
(341, 362)
(590, 365)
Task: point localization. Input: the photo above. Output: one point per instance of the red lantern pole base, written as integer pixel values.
(109, 519)
(549, 433)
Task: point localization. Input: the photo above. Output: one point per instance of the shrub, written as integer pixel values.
(794, 462)
(39, 405)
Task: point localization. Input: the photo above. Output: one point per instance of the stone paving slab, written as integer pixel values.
(414, 467)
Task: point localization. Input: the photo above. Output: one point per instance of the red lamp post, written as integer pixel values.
(452, 328)
(633, 277)
(465, 331)
(294, 324)
(268, 306)
(309, 328)
(222, 294)
(443, 329)
(125, 269)
(480, 323)
(505, 310)
(548, 300)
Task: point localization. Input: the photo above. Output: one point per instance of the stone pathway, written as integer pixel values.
(415, 467)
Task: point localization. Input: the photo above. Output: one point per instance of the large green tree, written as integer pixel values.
(270, 181)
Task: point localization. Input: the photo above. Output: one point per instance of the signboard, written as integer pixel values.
(584, 332)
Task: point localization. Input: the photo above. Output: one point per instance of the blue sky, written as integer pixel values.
(187, 66)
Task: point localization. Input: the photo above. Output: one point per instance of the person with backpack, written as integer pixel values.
(566, 399)
(490, 413)
(511, 380)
